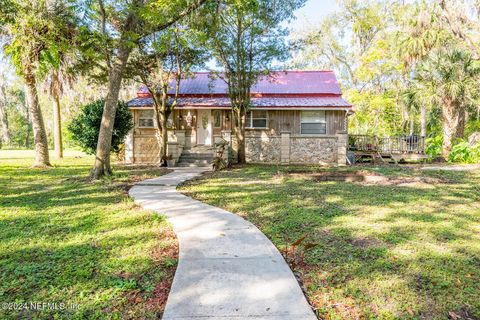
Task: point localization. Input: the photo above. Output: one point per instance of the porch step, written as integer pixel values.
(194, 151)
(195, 161)
(199, 156)
(189, 164)
(196, 157)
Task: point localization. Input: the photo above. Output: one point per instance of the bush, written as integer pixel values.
(465, 153)
(86, 126)
(433, 147)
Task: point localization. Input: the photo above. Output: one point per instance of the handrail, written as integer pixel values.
(394, 144)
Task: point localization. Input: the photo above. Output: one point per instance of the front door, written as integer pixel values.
(204, 127)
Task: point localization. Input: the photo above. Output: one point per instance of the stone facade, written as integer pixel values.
(313, 150)
(263, 149)
(297, 149)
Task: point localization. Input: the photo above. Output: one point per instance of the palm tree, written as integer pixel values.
(449, 79)
(419, 36)
(35, 35)
(55, 82)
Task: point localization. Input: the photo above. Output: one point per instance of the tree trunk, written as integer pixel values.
(162, 134)
(27, 136)
(39, 133)
(4, 134)
(450, 122)
(57, 127)
(104, 144)
(460, 129)
(423, 121)
(240, 135)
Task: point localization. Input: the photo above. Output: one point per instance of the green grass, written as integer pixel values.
(394, 251)
(65, 240)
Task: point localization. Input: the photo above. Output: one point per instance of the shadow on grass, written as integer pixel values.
(67, 240)
(381, 250)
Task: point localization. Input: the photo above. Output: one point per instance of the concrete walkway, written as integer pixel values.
(227, 269)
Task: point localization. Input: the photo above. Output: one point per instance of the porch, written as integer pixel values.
(396, 148)
(188, 128)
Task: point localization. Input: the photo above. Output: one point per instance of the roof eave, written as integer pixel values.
(195, 107)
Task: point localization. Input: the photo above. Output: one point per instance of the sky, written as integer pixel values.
(313, 12)
(310, 14)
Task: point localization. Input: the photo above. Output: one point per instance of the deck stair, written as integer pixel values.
(199, 156)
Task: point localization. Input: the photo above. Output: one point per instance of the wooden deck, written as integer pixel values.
(396, 148)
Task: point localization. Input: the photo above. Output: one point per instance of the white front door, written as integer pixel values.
(204, 127)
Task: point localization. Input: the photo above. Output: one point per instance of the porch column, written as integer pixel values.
(227, 136)
(285, 147)
(180, 137)
(129, 147)
(172, 149)
(342, 142)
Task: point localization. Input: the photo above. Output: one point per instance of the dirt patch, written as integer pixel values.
(366, 177)
(366, 242)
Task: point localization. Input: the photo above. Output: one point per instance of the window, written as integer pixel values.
(217, 119)
(256, 119)
(313, 122)
(145, 118)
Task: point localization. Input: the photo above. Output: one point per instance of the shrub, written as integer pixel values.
(465, 153)
(86, 126)
(433, 147)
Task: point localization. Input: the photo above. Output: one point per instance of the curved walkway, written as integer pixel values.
(227, 268)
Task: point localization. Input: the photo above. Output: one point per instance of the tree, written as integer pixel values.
(113, 28)
(357, 42)
(85, 127)
(4, 132)
(160, 63)
(450, 79)
(55, 82)
(246, 37)
(376, 49)
(38, 31)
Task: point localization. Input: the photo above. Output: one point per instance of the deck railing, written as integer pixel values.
(394, 144)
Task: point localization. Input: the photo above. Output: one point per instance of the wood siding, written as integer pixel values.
(278, 121)
(289, 121)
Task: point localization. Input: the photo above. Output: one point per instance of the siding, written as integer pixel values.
(278, 121)
(289, 120)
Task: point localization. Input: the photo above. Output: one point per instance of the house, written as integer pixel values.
(296, 117)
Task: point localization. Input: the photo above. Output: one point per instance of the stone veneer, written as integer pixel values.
(263, 148)
(315, 150)
(296, 149)
(260, 148)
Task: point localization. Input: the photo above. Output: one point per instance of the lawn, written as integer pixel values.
(76, 249)
(404, 247)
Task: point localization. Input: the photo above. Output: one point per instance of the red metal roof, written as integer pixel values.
(257, 102)
(282, 89)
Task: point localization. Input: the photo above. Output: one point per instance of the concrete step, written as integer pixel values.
(198, 152)
(196, 161)
(187, 164)
(196, 157)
